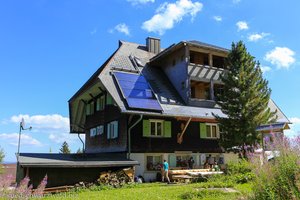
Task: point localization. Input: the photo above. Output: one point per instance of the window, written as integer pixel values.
(154, 163)
(100, 103)
(182, 160)
(156, 127)
(99, 130)
(90, 108)
(112, 130)
(93, 132)
(212, 131)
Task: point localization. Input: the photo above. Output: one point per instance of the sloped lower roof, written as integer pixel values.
(275, 126)
(74, 160)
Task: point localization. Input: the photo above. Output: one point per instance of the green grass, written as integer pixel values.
(156, 191)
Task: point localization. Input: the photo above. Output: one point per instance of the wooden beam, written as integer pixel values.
(180, 135)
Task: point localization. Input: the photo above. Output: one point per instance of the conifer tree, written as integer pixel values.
(244, 99)
(65, 148)
(1, 155)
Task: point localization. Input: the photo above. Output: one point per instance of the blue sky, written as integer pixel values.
(49, 48)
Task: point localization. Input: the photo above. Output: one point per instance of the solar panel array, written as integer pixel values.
(136, 91)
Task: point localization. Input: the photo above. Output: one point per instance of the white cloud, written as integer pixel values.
(55, 126)
(168, 14)
(236, 1)
(136, 2)
(122, 28)
(53, 122)
(218, 18)
(295, 120)
(265, 69)
(242, 25)
(282, 57)
(295, 127)
(257, 36)
(13, 139)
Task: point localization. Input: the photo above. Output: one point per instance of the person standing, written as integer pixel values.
(165, 171)
(191, 163)
(211, 161)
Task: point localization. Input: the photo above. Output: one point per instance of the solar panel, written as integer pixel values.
(137, 92)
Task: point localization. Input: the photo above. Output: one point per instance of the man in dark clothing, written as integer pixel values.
(191, 163)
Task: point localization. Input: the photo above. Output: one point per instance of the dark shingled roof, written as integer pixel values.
(75, 160)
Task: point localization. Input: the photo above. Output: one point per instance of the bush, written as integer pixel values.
(22, 191)
(278, 179)
(240, 172)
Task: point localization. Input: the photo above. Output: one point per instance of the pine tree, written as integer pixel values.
(244, 99)
(1, 155)
(65, 148)
(79, 151)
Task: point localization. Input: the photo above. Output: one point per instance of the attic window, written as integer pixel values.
(138, 61)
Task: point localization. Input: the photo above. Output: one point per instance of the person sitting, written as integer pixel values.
(206, 165)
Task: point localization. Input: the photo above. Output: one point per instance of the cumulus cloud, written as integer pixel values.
(13, 139)
(168, 14)
(242, 25)
(282, 57)
(218, 18)
(121, 28)
(257, 36)
(295, 127)
(137, 2)
(265, 69)
(41, 122)
(55, 126)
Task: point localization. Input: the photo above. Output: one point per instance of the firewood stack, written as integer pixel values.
(117, 178)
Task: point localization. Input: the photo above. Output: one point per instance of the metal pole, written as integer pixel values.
(19, 139)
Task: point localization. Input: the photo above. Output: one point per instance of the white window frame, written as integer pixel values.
(93, 132)
(112, 130)
(156, 121)
(211, 125)
(100, 103)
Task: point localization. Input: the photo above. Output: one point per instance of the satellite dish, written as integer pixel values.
(22, 123)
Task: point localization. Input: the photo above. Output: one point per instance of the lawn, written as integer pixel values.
(158, 191)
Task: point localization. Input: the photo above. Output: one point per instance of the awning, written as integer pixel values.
(75, 160)
(272, 127)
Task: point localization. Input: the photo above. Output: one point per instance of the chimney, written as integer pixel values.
(153, 44)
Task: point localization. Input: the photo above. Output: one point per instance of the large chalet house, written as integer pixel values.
(153, 104)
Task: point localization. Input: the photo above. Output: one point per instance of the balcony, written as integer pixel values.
(204, 73)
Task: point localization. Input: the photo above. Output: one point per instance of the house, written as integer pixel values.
(154, 104)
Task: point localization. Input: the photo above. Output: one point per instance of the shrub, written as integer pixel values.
(278, 179)
(22, 191)
(240, 172)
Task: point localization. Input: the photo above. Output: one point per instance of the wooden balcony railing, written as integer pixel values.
(204, 73)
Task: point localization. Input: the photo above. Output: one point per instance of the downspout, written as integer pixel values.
(83, 150)
(129, 135)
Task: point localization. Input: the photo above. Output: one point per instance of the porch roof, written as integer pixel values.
(75, 160)
(271, 127)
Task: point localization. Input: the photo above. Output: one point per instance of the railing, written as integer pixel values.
(204, 73)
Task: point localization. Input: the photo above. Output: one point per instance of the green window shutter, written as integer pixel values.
(167, 129)
(146, 128)
(109, 99)
(108, 131)
(202, 130)
(116, 129)
(172, 160)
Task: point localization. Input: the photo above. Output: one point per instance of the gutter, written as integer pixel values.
(129, 135)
